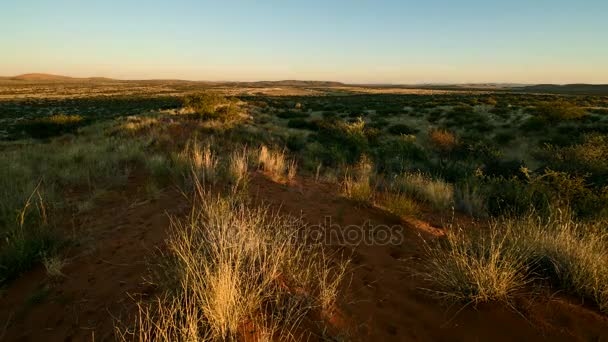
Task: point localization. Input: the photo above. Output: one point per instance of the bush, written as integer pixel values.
(442, 140)
(559, 110)
(44, 128)
(587, 158)
(209, 105)
(344, 142)
(398, 154)
(399, 129)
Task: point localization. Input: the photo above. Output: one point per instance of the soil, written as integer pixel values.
(384, 298)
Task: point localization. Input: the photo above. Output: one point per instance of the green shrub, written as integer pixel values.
(344, 142)
(398, 154)
(210, 105)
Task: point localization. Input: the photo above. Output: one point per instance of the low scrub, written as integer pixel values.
(54, 125)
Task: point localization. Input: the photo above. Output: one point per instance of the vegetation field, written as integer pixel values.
(169, 210)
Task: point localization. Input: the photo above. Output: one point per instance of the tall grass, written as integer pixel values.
(234, 271)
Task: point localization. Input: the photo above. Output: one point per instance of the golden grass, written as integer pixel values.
(571, 255)
(357, 183)
(473, 267)
(238, 169)
(276, 164)
(237, 270)
(480, 266)
(442, 139)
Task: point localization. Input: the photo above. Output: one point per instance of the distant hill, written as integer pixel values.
(289, 83)
(50, 77)
(573, 89)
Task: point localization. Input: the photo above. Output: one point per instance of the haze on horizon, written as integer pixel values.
(435, 41)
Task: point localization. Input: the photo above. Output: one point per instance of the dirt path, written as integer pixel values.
(384, 300)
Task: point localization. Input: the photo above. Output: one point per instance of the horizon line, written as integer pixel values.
(66, 77)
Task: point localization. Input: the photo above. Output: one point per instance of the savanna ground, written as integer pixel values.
(197, 211)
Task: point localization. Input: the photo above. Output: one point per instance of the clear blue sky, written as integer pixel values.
(405, 41)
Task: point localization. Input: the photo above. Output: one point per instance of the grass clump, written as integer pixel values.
(570, 255)
(436, 192)
(400, 204)
(357, 183)
(493, 265)
(276, 164)
(235, 271)
(476, 267)
(237, 170)
(443, 140)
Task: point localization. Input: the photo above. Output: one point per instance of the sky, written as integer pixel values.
(382, 41)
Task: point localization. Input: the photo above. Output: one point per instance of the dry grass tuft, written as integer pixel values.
(238, 169)
(202, 161)
(237, 271)
(276, 164)
(357, 184)
(475, 268)
(54, 266)
(571, 255)
(400, 204)
(443, 140)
